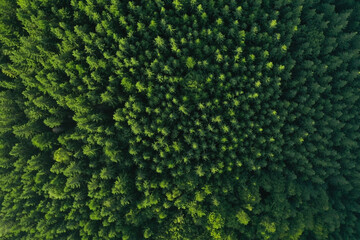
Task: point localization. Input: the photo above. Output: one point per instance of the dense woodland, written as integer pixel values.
(179, 119)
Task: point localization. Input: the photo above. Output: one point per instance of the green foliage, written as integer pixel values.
(182, 119)
(190, 63)
(242, 217)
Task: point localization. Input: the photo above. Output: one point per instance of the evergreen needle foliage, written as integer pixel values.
(179, 120)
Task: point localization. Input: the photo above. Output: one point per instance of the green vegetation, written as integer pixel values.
(179, 120)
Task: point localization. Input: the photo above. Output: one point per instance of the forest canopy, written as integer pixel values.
(179, 119)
